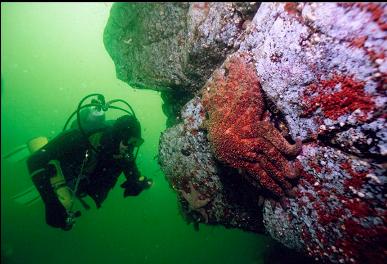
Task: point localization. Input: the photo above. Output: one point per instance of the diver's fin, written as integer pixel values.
(33, 201)
(18, 154)
(27, 197)
(29, 189)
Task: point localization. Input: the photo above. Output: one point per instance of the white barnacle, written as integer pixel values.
(373, 177)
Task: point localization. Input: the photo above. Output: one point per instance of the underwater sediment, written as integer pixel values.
(240, 78)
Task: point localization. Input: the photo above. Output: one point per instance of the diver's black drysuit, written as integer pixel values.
(99, 174)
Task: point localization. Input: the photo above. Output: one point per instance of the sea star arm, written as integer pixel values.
(270, 132)
(265, 180)
(193, 198)
(263, 147)
(274, 172)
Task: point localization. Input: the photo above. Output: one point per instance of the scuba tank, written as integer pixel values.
(30, 195)
(36, 143)
(24, 151)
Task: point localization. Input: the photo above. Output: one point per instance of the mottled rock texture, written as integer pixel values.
(173, 47)
(322, 71)
(187, 159)
(324, 67)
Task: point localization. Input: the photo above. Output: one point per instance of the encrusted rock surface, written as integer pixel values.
(219, 196)
(173, 47)
(322, 70)
(323, 65)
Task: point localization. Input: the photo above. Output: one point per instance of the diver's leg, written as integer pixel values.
(41, 174)
(56, 214)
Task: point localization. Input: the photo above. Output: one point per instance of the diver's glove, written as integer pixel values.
(70, 220)
(57, 216)
(145, 182)
(134, 188)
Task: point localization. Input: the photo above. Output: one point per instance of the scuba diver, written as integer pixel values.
(86, 159)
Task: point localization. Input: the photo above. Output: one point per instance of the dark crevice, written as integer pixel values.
(239, 192)
(174, 100)
(277, 118)
(327, 138)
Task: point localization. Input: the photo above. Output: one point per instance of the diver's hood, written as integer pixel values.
(125, 127)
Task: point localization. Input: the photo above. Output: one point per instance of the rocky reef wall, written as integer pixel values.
(173, 47)
(320, 72)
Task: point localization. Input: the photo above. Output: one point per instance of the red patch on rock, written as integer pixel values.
(291, 8)
(357, 178)
(337, 96)
(359, 42)
(377, 13)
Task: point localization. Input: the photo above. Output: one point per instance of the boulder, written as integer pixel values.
(173, 47)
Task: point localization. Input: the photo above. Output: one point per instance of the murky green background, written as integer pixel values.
(52, 55)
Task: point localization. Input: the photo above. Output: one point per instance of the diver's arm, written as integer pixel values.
(135, 183)
(130, 170)
(132, 174)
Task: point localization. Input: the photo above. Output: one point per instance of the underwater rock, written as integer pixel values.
(322, 67)
(173, 47)
(145, 42)
(322, 71)
(167, 46)
(207, 192)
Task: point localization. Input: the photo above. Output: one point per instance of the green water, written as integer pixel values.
(52, 55)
